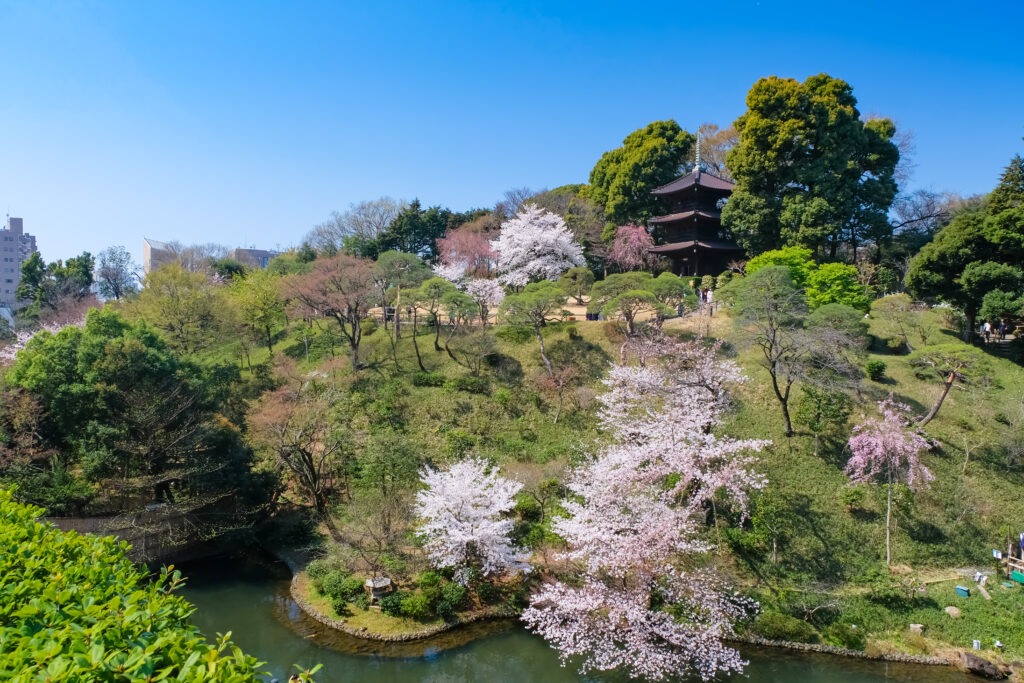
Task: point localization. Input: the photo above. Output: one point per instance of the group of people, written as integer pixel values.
(996, 331)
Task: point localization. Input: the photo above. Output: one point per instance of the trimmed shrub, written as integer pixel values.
(416, 606)
(428, 379)
(392, 604)
(451, 597)
(368, 326)
(470, 384)
(875, 370)
(514, 334)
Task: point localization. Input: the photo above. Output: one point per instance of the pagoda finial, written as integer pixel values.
(696, 163)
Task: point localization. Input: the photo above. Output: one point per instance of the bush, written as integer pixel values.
(319, 568)
(338, 585)
(417, 606)
(852, 497)
(392, 604)
(428, 580)
(451, 597)
(58, 624)
(368, 326)
(471, 384)
(875, 370)
(776, 626)
(515, 334)
(428, 379)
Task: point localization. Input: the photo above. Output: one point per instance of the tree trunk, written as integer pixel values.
(398, 313)
(783, 398)
(888, 520)
(543, 352)
(415, 346)
(938, 404)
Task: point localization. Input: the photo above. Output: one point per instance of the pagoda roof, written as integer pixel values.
(695, 177)
(672, 217)
(712, 245)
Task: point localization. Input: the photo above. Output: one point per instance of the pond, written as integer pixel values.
(251, 600)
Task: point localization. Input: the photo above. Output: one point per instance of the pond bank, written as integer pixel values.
(299, 589)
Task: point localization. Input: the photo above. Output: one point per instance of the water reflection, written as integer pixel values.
(250, 598)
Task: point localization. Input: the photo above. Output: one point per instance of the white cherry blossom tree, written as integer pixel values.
(535, 245)
(487, 294)
(644, 603)
(463, 522)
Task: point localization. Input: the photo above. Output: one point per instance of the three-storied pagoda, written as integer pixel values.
(691, 233)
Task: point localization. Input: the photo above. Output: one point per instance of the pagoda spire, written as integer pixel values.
(696, 163)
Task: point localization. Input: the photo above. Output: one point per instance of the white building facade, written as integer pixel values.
(16, 246)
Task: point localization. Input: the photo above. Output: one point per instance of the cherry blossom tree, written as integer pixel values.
(468, 249)
(888, 450)
(463, 519)
(642, 603)
(486, 294)
(535, 245)
(10, 349)
(631, 248)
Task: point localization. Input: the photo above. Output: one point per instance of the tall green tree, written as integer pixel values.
(142, 424)
(649, 157)
(808, 170)
(978, 253)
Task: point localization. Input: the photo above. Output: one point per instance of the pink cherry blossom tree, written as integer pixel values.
(631, 248)
(467, 247)
(888, 450)
(641, 601)
(463, 521)
(534, 245)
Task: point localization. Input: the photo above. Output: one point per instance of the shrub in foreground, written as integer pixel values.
(77, 609)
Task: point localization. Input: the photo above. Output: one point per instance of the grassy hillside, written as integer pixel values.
(812, 551)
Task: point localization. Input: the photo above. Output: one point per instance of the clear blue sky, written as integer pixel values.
(246, 123)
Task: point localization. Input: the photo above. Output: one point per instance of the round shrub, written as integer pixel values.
(392, 604)
(368, 326)
(450, 600)
(416, 606)
(875, 370)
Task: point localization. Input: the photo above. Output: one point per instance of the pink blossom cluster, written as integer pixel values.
(643, 602)
(888, 449)
(463, 518)
(631, 247)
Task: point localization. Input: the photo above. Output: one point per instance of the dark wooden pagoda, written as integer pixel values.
(691, 233)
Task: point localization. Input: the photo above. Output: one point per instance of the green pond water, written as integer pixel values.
(251, 600)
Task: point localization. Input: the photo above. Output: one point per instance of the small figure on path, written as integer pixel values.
(1002, 329)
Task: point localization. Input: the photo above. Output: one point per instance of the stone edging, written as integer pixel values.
(306, 607)
(844, 652)
(498, 613)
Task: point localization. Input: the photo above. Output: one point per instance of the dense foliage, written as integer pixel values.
(76, 609)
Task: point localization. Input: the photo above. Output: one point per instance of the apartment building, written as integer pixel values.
(16, 246)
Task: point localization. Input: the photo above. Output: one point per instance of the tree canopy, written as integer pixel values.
(623, 178)
(809, 170)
